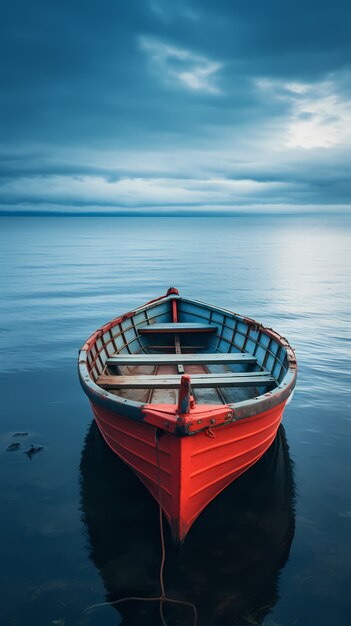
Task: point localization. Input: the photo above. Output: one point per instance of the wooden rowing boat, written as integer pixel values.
(188, 395)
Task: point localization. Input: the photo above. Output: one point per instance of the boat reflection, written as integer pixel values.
(230, 562)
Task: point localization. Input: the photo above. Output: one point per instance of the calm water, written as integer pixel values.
(76, 526)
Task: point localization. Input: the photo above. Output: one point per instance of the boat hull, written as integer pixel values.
(188, 395)
(185, 473)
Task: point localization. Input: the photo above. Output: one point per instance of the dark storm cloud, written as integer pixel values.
(182, 97)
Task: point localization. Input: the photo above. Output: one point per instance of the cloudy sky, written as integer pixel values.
(174, 106)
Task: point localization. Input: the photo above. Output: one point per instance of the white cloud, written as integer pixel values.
(296, 87)
(183, 67)
(319, 117)
(134, 192)
(171, 12)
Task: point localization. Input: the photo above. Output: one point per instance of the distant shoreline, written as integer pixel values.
(342, 212)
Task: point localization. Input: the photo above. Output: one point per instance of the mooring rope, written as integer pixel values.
(162, 598)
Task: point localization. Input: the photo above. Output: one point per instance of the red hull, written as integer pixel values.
(187, 448)
(192, 470)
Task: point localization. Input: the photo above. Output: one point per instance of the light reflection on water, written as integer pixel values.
(61, 279)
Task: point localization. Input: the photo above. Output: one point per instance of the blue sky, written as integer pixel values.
(186, 106)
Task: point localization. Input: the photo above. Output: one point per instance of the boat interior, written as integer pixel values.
(142, 356)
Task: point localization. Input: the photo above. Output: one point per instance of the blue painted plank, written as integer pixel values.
(179, 327)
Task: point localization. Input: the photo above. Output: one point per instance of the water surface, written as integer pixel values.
(76, 526)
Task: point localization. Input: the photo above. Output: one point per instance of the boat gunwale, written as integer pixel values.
(135, 410)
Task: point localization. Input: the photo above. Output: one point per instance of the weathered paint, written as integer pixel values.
(174, 311)
(184, 395)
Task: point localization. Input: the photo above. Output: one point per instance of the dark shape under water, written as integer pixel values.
(33, 450)
(229, 565)
(13, 446)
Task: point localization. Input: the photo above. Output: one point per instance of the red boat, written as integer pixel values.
(189, 395)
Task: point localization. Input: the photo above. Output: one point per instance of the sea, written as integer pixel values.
(77, 528)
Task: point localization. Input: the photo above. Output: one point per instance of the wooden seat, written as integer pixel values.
(178, 327)
(241, 379)
(168, 348)
(185, 359)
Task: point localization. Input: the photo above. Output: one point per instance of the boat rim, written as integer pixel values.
(240, 410)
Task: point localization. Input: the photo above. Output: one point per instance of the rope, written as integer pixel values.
(209, 433)
(162, 598)
(163, 547)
